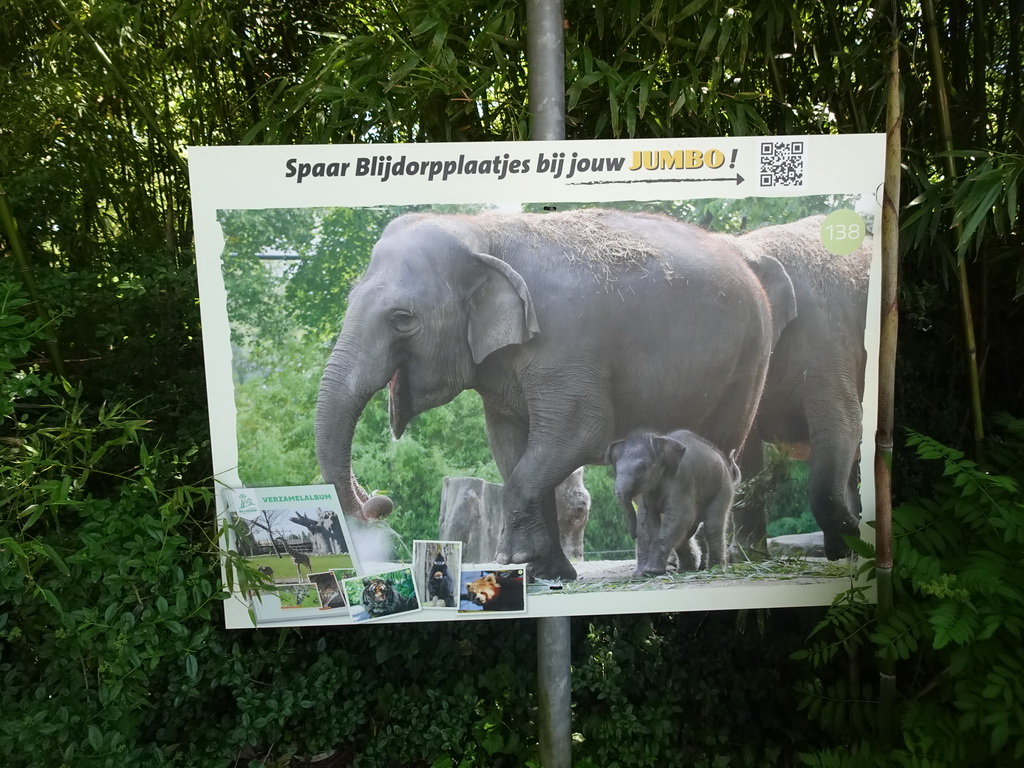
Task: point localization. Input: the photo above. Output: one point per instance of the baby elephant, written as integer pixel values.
(682, 482)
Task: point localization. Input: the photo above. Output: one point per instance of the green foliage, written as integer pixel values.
(788, 507)
(606, 536)
(17, 334)
(955, 628)
(704, 714)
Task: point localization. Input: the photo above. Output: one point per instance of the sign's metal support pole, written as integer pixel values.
(545, 56)
(554, 696)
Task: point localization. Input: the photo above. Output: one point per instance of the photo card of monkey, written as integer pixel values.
(498, 590)
(437, 566)
(381, 595)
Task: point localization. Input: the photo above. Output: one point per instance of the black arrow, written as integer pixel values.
(739, 180)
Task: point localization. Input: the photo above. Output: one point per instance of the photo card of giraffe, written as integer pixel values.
(382, 595)
(437, 566)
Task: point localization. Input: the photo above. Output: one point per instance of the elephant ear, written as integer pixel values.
(500, 309)
(670, 453)
(611, 455)
(779, 288)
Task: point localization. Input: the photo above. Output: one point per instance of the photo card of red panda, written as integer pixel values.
(495, 591)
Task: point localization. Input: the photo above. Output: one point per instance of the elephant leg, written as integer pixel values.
(853, 490)
(507, 439)
(834, 503)
(564, 433)
(751, 523)
(678, 523)
(556, 564)
(529, 531)
(716, 518)
(648, 523)
(689, 555)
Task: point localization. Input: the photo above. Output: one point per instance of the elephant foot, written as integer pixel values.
(640, 573)
(556, 567)
(835, 545)
(652, 566)
(546, 559)
(525, 545)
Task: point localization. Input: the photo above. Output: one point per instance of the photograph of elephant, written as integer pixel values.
(512, 345)
(684, 486)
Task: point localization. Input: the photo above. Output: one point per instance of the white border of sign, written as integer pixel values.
(363, 175)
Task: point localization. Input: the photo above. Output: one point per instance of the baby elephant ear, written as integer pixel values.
(611, 456)
(670, 451)
(500, 308)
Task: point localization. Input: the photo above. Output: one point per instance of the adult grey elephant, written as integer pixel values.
(815, 381)
(574, 327)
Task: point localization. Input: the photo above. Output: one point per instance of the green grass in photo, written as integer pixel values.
(284, 567)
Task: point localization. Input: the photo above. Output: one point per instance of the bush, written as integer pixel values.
(954, 632)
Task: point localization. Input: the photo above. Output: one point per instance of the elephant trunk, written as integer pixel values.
(626, 490)
(625, 493)
(344, 393)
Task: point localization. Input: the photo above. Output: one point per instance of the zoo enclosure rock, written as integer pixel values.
(471, 513)
(806, 544)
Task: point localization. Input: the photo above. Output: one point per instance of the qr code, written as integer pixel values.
(782, 163)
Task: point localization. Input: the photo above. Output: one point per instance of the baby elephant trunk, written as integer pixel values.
(625, 493)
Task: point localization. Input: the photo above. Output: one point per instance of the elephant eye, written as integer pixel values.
(403, 322)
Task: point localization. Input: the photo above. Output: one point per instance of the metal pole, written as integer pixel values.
(554, 697)
(545, 58)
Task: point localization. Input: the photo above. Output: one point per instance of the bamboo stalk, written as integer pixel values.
(147, 114)
(9, 227)
(946, 138)
(887, 384)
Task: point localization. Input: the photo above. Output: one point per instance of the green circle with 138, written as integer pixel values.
(842, 232)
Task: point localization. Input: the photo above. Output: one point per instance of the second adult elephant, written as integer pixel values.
(815, 381)
(574, 327)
